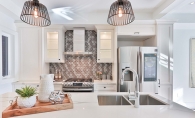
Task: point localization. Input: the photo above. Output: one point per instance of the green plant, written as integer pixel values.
(27, 91)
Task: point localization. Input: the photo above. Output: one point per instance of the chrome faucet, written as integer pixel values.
(136, 94)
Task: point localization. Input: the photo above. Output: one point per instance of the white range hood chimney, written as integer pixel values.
(78, 42)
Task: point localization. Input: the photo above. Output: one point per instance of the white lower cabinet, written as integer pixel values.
(165, 91)
(105, 88)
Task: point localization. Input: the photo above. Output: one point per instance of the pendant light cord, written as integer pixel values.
(120, 2)
(36, 2)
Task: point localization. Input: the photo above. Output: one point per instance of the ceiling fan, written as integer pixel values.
(66, 12)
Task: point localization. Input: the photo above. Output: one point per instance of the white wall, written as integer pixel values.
(7, 22)
(4, 88)
(150, 42)
(130, 43)
(182, 93)
(7, 25)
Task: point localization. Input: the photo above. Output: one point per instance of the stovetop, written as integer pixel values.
(79, 80)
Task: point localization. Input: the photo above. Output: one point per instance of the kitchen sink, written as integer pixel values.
(112, 100)
(105, 100)
(147, 100)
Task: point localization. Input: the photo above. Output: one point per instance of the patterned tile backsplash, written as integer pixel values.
(81, 66)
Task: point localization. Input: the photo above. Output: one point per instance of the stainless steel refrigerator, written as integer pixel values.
(144, 61)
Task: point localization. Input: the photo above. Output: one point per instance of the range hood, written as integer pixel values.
(78, 43)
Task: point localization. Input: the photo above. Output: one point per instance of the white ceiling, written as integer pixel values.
(96, 11)
(185, 7)
(183, 12)
(96, 5)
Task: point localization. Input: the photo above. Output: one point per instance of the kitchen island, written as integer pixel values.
(86, 106)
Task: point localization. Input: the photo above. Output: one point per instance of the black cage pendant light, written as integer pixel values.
(121, 13)
(35, 13)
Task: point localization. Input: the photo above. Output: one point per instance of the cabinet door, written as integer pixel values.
(105, 46)
(165, 60)
(53, 45)
(137, 30)
(165, 91)
(30, 55)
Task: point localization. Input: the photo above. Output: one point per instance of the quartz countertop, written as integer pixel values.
(86, 106)
(34, 82)
(95, 82)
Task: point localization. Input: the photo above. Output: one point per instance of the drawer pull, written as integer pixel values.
(104, 87)
(136, 33)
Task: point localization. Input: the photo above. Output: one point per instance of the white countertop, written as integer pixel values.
(34, 82)
(95, 82)
(86, 106)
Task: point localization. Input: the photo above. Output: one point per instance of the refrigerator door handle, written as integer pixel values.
(140, 67)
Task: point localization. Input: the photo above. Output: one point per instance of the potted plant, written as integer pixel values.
(26, 98)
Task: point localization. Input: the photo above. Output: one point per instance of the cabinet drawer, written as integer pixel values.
(105, 87)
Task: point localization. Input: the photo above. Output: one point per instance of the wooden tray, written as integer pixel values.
(14, 110)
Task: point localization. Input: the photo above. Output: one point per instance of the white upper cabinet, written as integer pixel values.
(54, 45)
(105, 46)
(141, 30)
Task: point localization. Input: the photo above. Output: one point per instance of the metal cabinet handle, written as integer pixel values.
(59, 59)
(37, 85)
(136, 32)
(159, 83)
(104, 87)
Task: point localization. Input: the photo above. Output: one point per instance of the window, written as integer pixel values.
(5, 56)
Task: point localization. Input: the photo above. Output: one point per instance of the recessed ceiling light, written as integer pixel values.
(192, 3)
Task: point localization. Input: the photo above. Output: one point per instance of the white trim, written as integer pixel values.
(165, 22)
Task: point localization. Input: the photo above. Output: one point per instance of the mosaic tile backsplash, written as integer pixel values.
(81, 66)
